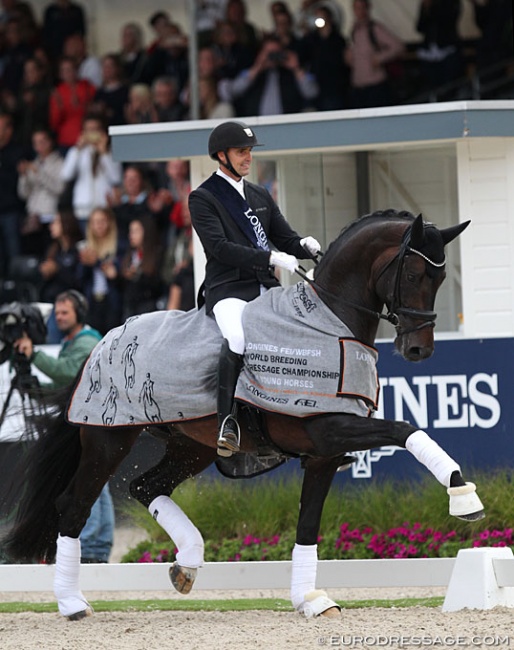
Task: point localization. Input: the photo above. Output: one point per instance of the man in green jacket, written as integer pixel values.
(79, 340)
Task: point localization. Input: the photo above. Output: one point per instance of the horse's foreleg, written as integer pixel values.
(318, 475)
(183, 459)
(102, 452)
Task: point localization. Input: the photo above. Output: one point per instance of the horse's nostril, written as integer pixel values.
(417, 353)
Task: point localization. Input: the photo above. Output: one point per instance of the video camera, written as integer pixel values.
(17, 319)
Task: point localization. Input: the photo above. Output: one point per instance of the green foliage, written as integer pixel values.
(256, 520)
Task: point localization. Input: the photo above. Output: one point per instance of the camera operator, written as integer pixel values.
(275, 84)
(79, 340)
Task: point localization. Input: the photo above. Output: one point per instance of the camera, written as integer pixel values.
(17, 319)
(277, 57)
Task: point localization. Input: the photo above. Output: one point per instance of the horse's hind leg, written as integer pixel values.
(183, 459)
(102, 452)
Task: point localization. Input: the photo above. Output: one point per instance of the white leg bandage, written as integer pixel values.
(303, 573)
(182, 531)
(66, 579)
(430, 454)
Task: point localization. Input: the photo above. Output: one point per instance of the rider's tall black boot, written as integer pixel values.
(229, 367)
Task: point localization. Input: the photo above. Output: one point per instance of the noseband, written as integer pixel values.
(395, 309)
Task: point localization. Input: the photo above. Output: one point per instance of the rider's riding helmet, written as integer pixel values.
(231, 135)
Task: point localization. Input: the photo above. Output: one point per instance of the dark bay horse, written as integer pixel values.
(386, 259)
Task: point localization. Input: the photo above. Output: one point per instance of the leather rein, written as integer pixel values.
(395, 309)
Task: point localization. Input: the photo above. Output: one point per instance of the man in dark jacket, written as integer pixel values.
(237, 223)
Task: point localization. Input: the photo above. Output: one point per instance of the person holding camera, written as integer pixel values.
(71, 309)
(275, 84)
(90, 167)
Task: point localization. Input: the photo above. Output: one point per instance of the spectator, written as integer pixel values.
(129, 202)
(165, 97)
(169, 58)
(60, 268)
(79, 340)
(61, 19)
(181, 293)
(233, 57)
(208, 67)
(112, 96)
(91, 168)
(274, 84)
(100, 260)
(11, 207)
(40, 185)
(211, 106)
(132, 53)
(140, 108)
(69, 103)
(159, 22)
(305, 16)
(15, 53)
(89, 66)
(494, 19)
(209, 14)
(440, 54)
(32, 103)
(283, 28)
(246, 33)
(177, 252)
(140, 269)
(371, 47)
(323, 55)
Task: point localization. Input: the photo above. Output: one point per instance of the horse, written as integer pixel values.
(385, 259)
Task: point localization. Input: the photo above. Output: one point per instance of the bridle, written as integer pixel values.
(395, 308)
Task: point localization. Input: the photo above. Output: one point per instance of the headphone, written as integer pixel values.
(80, 304)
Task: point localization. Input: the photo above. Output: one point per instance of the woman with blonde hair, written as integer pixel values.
(100, 259)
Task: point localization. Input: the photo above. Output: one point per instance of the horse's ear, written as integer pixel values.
(417, 233)
(449, 234)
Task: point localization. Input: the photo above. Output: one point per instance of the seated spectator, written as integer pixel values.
(89, 66)
(132, 54)
(246, 33)
(211, 106)
(91, 168)
(140, 108)
(129, 202)
(440, 54)
(323, 50)
(112, 96)
(100, 260)
(32, 103)
(273, 85)
(165, 97)
(208, 67)
(60, 268)
(40, 186)
(69, 104)
(60, 20)
(370, 48)
(140, 269)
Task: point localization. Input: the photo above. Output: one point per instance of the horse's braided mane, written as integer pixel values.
(361, 222)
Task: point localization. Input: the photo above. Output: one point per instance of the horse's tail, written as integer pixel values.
(43, 474)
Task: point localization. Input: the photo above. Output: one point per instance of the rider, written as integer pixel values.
(238, 222)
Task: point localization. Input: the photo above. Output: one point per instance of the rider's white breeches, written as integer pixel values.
(229, 317)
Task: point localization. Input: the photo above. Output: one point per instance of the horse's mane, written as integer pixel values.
(361, 222)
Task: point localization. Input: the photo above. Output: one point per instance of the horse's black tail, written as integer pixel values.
(44, 472)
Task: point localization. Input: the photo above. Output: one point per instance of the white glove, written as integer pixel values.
(283, 261)
(311, 245)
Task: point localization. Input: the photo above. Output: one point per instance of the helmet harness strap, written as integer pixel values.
(228, 165)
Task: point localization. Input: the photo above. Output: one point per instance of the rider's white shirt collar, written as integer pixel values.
(238, 185)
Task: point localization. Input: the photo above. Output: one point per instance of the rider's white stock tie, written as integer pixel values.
(182, 531)
(430, 454)
(66, 579)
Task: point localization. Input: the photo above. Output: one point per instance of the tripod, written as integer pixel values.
(29, 390)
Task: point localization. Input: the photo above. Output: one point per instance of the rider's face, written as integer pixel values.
(241, 159)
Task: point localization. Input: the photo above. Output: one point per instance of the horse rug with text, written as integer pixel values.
(162, 366)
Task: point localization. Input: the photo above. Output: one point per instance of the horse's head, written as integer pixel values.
(412, 278)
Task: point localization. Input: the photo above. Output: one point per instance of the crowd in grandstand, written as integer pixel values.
(72, 217)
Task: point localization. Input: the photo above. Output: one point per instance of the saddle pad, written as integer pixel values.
(162, 366)
(302, 360)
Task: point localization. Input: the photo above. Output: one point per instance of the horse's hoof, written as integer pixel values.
(465, 503)
(182, 578)
(317, 603)
(78, 616)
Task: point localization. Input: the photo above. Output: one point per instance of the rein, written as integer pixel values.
(395, 309)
